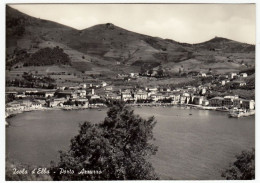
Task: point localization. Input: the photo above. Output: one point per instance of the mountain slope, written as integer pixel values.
(226, 45)
(107, 47)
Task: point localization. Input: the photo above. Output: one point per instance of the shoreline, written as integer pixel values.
(11, 114)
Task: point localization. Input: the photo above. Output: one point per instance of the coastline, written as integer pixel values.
(177, 105)
(11, 114)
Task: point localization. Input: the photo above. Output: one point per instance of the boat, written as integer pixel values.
(237, 113)
(223, 109)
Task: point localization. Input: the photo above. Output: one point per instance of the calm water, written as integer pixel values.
(196, 146)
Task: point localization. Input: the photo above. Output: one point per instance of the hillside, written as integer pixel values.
(109, 49)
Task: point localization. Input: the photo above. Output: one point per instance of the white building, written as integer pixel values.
(156, 97)
(197, 100)
(205, 102)
(232, 75)
(94, 96)
(228, 100)
(61, 87)
(133, 75)
(126, 95)
(203, 75)
(153, 89)
(109, 88)
(239, 83)
(83, 85)
(81, 93)
(203, 91)
(183, 99)
(113, 96)
(244, 75)
(248, 104)
(140, 95)
(103, 84)
(83, 102)
(223, 82)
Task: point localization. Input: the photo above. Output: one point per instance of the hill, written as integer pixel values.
(109, 49)
(226, 45)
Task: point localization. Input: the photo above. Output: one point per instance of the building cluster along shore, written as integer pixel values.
(84, 96)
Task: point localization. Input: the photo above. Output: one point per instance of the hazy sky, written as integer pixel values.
(190, 23)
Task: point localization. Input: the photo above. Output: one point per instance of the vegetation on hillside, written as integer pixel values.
(243, 168)
(110, 43)
(15, 25)
(19, 56)
(249, 71)
(116, 149)
(43, 57)
(48, 56)
(28, 80)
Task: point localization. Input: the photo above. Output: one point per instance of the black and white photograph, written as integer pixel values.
(118, 91)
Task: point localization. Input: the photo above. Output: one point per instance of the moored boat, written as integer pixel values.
(237, 113)
(223, 109)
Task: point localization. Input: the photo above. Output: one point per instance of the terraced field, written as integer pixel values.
(106, 50)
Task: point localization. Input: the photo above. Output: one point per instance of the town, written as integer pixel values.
(94, 95)
(119, 91)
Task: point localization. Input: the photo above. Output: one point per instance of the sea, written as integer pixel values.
(192, 144)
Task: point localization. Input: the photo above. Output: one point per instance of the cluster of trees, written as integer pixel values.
(76, 103)
(150, 71)
(195, 82)
(33, 78)
(97, 101)
(31, 81)
(9, 98)
(117, 148)
(144, 100)
(48, 56)
(19, 56)
(15, 26)
(165, 100)
(250, 84)
(243, 168)
(45, 56)
(30, 84)
(249, 71)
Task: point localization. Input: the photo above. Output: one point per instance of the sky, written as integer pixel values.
(189, 23)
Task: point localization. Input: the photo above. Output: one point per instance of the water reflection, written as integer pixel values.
(193, 146)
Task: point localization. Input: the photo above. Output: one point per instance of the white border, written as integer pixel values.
(2, 67)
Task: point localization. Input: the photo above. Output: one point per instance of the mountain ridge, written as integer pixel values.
(108, 44)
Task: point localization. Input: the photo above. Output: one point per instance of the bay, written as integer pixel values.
(193, 144)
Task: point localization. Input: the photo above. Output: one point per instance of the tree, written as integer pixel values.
(160, 71)
(150, 72)
(180, 71)
(116, 149)
(20, 30)
(142, 70)
(243, 168)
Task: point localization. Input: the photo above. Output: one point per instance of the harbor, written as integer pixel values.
(185, 140)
